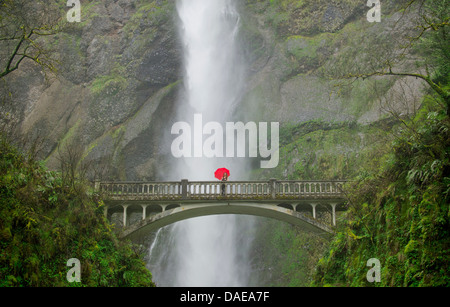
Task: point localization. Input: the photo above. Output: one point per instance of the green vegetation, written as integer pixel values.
(400, 215)
(143, 27)
(305, 48)
(306, 17)
(318, 150)
(399, 202)
(45, 221)
(110, 84)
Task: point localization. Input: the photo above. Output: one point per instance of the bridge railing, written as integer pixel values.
(185, 190)
(156, 189)
(240, 189)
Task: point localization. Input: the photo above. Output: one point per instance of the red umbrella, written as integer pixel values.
(219, 173)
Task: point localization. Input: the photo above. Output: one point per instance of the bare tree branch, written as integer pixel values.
(21, 27)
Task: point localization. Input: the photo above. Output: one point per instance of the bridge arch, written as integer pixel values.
(162, 219)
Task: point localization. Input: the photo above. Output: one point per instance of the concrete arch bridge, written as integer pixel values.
(157, 204)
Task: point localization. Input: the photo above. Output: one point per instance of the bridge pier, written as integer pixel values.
(144, 213)
(333, 212)
(125, 207)
(313, 205)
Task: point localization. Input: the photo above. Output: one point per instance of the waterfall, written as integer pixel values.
(212, 250)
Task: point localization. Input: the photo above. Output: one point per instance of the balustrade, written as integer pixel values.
(186, 190)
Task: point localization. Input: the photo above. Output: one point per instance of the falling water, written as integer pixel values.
(206, 251)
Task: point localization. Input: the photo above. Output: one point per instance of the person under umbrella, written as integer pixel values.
(224, 178)
(222, 174)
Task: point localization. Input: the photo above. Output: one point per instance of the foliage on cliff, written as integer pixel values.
(400, 216)
(400, 213)
(45, 221)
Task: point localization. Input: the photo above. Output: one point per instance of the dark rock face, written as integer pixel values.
(332, 18)
(160, 66)
(113, 66)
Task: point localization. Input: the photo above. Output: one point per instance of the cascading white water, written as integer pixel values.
(206, 251)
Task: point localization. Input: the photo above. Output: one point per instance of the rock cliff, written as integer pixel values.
(118, 81)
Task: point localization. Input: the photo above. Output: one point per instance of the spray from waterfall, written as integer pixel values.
(206, 251)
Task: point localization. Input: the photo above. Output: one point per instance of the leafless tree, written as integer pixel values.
(23, 25)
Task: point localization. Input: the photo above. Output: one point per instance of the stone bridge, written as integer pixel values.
(146, 206)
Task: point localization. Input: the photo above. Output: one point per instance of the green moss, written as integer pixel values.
(118, 132)
(143, 26)
(89, 150)
(306, 48)
(321, 150)
(66, 139)
(110, 85)
(289, 17)
(88, 14)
